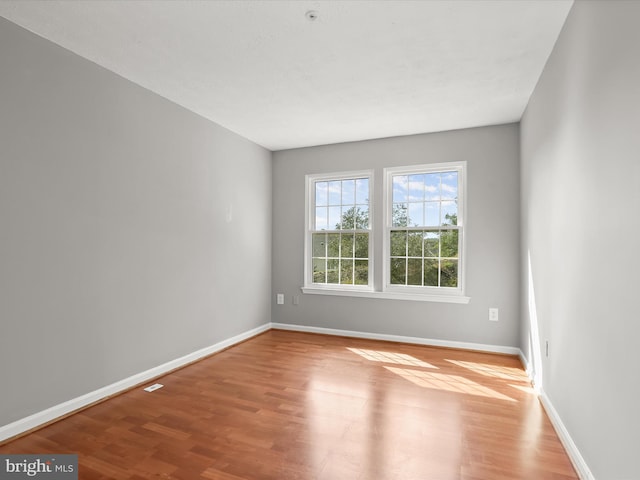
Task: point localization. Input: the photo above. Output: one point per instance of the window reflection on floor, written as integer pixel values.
(391, 357)
(449, 383)
(495, 371)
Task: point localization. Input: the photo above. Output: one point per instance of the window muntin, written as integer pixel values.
(425, 200)
(342, 204)
(424, 258)
(339, 232)
(423, 235)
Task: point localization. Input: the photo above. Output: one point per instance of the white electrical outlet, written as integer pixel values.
(493, 314)
(280, 298)
(153, 387)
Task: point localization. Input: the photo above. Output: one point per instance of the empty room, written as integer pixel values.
(328, 240)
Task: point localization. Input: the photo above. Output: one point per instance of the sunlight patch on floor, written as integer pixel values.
(524, 389)
(449, 383)
(391, 357)
(495, 371)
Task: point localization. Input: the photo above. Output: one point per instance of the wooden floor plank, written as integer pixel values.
(289, 405)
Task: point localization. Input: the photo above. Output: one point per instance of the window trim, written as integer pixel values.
(434, 293)
(421, 297)
(309, 286)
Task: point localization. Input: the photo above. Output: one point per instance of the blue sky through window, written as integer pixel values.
(427, 198)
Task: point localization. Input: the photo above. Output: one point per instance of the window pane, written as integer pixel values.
(346, 272)
(348, 220)
(450, 185)
(432, 186)
(347, 246)
(424, 232)
(348, 192)
(321, 218)
(398, 271)
(414, 271)
(414, 244)
(333, 245)
(398, 243)
(362, 191)
(362, 217)
(449, 273)
(449, 211)
(432, 214)
(431, 273)
(361, 272)
(416, 218)
(340, 205)
(399, 188)
(319, 244)
(321, 193)
(362, 245)
(334, 192)
(334, 218)
(432, 244)
(319, 270)
(399, 215)
(449, 243)
(333, 271)
(416, 188)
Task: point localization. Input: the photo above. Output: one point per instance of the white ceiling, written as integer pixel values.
(362, 69)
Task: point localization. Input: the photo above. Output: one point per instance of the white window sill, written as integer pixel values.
(420, 297)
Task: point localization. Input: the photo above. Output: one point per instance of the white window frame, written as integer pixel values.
(309, 286)
(379, 287)
(451, 294)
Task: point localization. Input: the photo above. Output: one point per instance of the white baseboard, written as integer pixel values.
(525, 364)
(57, 411)
(563, 434)
(572, 450)
(398, 338)
(60, 410)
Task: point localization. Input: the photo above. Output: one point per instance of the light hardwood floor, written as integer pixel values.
(287, 405)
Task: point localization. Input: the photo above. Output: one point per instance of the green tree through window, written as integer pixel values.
(424, 237)
(340, 239)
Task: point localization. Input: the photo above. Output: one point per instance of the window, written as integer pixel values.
(421, 226)
(338, 240)
(423, 229)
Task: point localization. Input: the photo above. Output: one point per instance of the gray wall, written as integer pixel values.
(581, 224)
(116, 250)
(492, 232)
